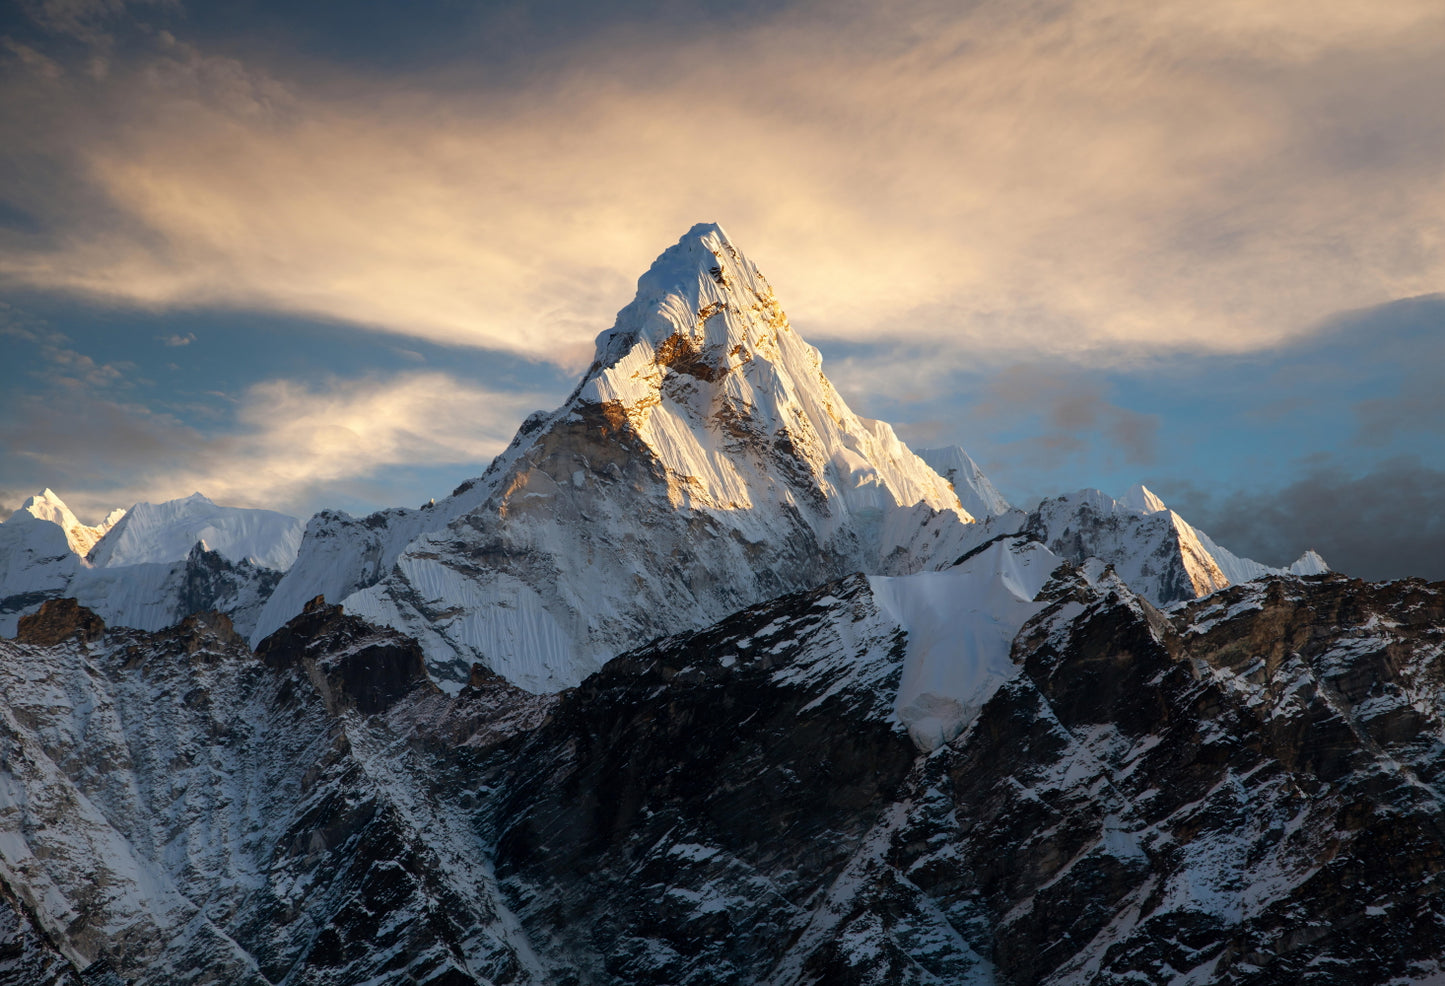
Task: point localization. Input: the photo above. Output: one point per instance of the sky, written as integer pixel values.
(331, 254)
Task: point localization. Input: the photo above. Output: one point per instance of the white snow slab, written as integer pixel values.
(975, 491)
(961, 624)
(166, 532)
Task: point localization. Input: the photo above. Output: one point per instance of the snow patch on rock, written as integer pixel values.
(961, 624)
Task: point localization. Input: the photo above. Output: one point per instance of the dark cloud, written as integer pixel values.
(77, 437)
(1074, 412)
(1418, 406)
(90, 22)
(1385, 524)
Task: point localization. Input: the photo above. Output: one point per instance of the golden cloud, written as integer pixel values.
(1067, 179)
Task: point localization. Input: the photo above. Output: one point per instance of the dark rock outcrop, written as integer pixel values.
(59, 620)
(352, 663)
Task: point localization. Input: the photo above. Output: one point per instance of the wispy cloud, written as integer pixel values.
(1382, 523)
(1068, 414)
(289, 445)
(56, 362)
(83, 20)
(177, 339)
(1090, 180)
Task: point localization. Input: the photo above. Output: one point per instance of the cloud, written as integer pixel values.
(1418, 407)
(83, 20)
(1068, 413)
(1091, 181)
(58, 364)
(1382, 524)
(177, 339)
(290, 445)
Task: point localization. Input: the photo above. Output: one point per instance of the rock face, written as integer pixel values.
(351, 663)
(178, 811)
(59, 620)
(1239, 794)
(704, 463)
(1243, 790)
(26, 957)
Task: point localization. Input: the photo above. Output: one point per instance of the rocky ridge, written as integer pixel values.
(1242, 790)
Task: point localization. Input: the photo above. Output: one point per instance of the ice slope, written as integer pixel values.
(1156, 552)
(961, 623)
(166, 532)
(978, 495)
(341, 554)
(703, 463)
(36, 561)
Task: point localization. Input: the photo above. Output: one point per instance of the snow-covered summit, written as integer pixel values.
(1159, 554)
(146, 568)
(978, 495)
(1142, 499)
(1309, 563)
(48, 506)
(703, 365)
(166, 532)
(703, 463)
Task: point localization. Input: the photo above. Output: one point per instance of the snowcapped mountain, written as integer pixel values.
(148, 567)
(46, 505)
(37, 562)
(978, 495)
(166, 532)
(703, 463)
(1154, 550)
(707, 679)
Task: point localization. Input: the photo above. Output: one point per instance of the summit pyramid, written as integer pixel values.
(704, 463)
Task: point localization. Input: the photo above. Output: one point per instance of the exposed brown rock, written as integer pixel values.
(59, 620)
(350, 662)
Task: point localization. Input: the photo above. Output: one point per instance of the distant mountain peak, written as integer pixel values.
(978, 495)
(166, 532)
(1141, 498)
(48, 506)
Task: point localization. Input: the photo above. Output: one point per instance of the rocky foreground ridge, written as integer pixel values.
(1245, 789)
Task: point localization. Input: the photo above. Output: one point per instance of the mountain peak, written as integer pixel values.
(680, 314)
(704, 463)
(1141, 498)
(704, 371)
(48, 506)
(166, 532)
(978, 495)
